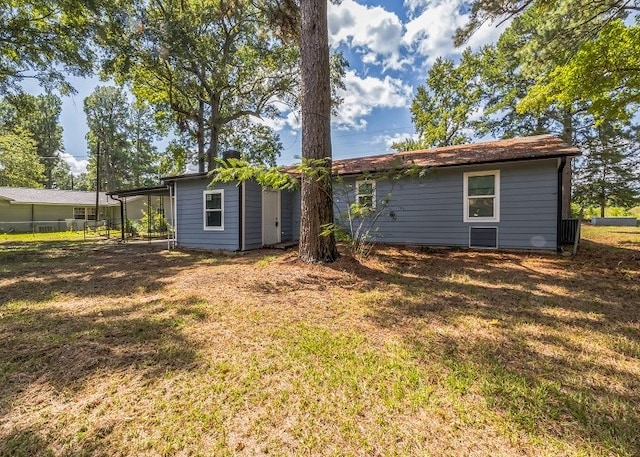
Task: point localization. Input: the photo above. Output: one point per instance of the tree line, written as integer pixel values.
(570, 68)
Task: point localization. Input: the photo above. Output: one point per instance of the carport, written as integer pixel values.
(149, 192)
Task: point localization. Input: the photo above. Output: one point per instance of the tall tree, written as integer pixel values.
(317, 244)
(143, 154)
(19, 164)
(107, 110)
(207, 63)
(610, 171)
(442, 110)
(38, 115)
(594, 51)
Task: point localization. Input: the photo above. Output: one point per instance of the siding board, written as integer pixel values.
(429, 210)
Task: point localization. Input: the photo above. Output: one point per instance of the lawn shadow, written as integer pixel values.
(91, 270)
(524, 324)
(65, 347)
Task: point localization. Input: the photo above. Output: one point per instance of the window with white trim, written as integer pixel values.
(482, 196)
(213, 209)
(366, 194)
(78, 213)
(91, 213)
(85, 214)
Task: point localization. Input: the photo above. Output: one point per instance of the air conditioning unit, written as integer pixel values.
(483, 237)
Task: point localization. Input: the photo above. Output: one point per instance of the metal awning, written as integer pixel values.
(158, 190)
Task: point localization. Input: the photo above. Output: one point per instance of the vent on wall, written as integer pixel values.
(483, 237)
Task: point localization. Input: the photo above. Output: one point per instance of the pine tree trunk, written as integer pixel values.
(317, 196)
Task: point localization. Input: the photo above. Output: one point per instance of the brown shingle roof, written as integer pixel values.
(527, 148)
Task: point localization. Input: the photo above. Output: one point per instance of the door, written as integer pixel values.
(270, 217)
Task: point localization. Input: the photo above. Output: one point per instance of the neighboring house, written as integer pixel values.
(503, 194)
(49, 210)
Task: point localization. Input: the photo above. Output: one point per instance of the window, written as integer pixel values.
(78, 213)
(366, 194)
(91, 213)
(482, 196)
(214, 210)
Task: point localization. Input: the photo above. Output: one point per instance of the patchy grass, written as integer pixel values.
(110, 349)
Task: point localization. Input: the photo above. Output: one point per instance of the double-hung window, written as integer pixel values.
(79, 213)
(482, 196)
(214, 210)
(366, 194)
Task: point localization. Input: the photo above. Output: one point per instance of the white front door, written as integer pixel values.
(270, 217)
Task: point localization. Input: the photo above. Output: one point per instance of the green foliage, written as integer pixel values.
(442, 109)
(38, 115)
(202, 64)
(45, 40)
(152, 221)
(240, 170)
(609, 174)
(122, 133)
(19, 164)
(604, 74)
(576, 51)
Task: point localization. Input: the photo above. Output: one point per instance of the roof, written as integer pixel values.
(158, 190)
(26, 195)
(198, 175)
(514, 149)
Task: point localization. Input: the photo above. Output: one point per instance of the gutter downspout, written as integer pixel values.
(121, 215)
(563, 163)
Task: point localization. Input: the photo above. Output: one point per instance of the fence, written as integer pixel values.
(60, 225)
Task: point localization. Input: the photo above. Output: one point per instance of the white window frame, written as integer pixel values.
(372, 194)
(495, 196)
(205, 210)
(76, 212)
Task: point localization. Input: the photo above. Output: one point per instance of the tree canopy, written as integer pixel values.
(45, 40)
(206, 64)
(19, 164)
(575, 50)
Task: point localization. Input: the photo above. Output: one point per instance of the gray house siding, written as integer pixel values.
(295, 215)
(429, 210)
(252, 215)
(286, 215)
(190, 214)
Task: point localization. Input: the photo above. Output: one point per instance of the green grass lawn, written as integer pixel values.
(110, 349)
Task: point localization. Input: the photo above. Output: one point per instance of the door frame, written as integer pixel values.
(278, 214)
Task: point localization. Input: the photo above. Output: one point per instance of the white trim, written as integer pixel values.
(495, 196)
(204, 210)
(373, 191)
(278, 215)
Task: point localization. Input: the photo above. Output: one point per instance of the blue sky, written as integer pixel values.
(390, 46)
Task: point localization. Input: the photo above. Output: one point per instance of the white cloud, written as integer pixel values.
(373, 29)
(389, 140)
(430, 34)
(363, 95)
(78, 166)
(430, 31)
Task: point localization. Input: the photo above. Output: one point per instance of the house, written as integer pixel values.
(231, 216)
(504, 194)
(50, 210)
